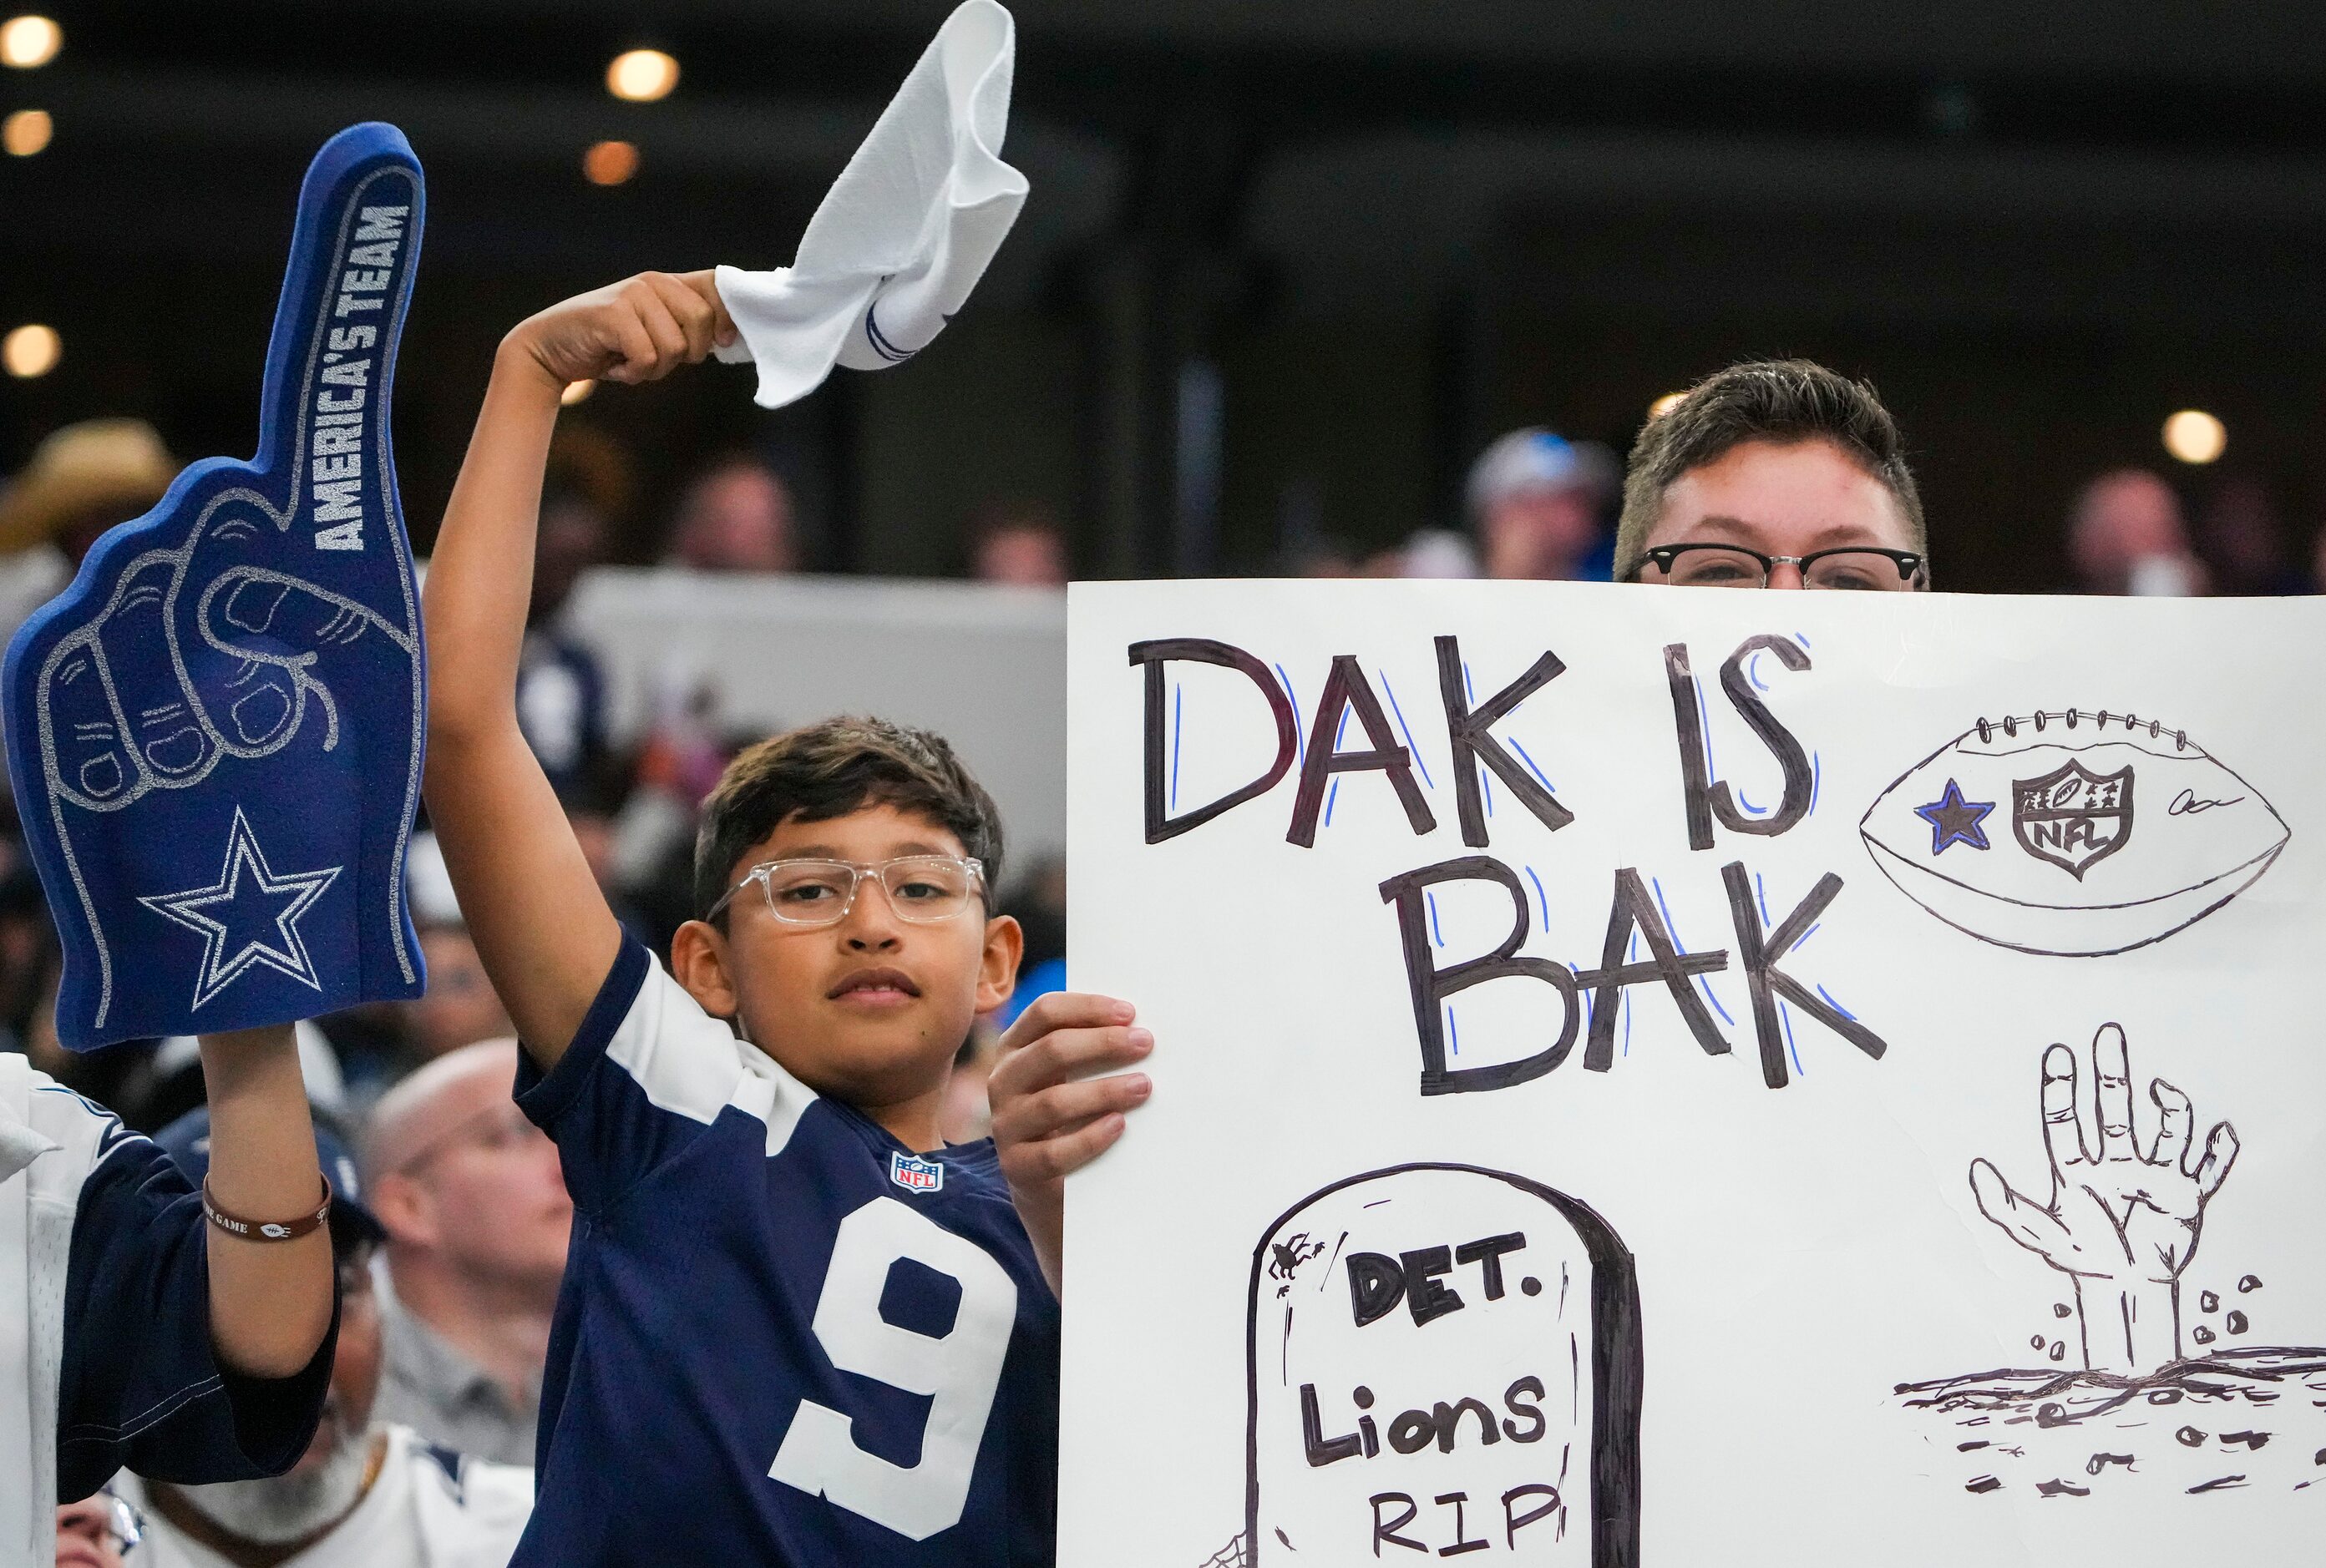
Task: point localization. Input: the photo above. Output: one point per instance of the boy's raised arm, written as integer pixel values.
(540, 923)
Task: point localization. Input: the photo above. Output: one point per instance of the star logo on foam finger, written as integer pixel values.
(248, 918)
(1955, 821)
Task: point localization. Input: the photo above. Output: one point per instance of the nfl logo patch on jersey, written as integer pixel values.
(916, 1174)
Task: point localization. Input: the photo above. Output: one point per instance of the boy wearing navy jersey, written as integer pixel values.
(795, 1328)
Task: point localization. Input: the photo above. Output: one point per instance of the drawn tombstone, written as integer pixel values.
(1442, 1360)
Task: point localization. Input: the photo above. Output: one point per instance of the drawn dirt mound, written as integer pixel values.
(2238, 1419)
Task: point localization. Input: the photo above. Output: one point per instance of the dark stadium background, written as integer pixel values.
(1287, 265)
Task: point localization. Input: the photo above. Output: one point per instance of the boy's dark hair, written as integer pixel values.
(1769, 400)
(821, 770)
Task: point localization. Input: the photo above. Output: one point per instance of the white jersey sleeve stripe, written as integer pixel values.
(774, 1095)
(648, 1073)
(161, 1410)
(691, 1064)
(684, 1061)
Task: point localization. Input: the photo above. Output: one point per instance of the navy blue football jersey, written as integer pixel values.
(783, 1337)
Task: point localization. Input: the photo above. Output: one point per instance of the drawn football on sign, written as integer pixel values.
(2077, 833)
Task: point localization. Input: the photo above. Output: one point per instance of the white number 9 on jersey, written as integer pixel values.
(961, 1370)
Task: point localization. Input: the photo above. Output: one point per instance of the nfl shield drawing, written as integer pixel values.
(2073, 817)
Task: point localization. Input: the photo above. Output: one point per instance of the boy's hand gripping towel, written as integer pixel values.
(215, 732)
(906, 231)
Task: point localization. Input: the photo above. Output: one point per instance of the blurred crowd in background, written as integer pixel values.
(1539, 508)
(470, 1207)
(632, 807)
(1290, 275)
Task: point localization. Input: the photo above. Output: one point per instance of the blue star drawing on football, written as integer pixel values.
(2077, 833)
(215, 732)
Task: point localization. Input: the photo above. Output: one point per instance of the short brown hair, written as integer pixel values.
(1761, 400)
(827, 770)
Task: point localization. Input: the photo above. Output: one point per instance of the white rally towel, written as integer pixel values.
(906, 231)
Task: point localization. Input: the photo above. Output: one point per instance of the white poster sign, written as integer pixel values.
(1670, 1076)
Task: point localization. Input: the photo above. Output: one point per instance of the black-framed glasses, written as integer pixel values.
(1854, 568)
(922, 888)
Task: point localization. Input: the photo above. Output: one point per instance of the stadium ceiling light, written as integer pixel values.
(27, 132)
(576, 391)
(1665, 404)
(610, 163)
(2194, 436)
(28, 42)
(31, 350)
(642, 75)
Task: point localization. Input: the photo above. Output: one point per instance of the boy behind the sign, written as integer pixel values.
(796, 1327)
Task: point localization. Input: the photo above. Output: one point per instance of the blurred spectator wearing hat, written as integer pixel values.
(82, 480)
(160, 1080)
(478, 1220)
(1536, 502)
(2126, 536)
(459, 1007)
(379, 1043)
(366, 1491)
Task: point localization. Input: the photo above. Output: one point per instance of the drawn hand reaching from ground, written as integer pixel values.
(2123, 1222)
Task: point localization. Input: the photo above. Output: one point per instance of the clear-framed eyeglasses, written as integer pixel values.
(1855, 568)
(925, 889)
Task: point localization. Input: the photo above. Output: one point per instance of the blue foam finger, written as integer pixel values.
(215, 733)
